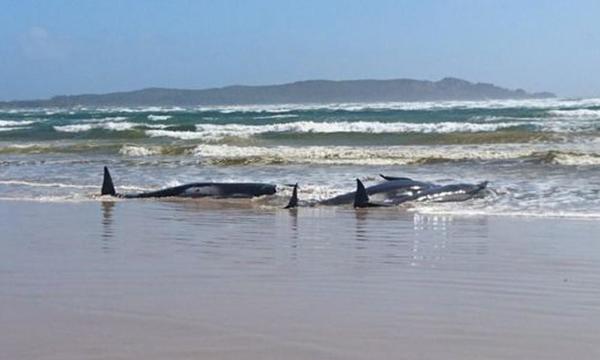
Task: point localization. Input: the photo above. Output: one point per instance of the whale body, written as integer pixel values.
(393, 188)
(195, 190)
(398, 190)
(435, 193)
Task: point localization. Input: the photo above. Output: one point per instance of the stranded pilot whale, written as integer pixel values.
(195, 190)
(436, 193)
(392, 188)
(398, 190)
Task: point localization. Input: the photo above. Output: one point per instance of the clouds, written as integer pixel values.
(39, 44)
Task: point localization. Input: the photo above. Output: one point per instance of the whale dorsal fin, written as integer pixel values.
(293, 203)
(392, 178)
(482, 185)
(107, 185)
(361, 198)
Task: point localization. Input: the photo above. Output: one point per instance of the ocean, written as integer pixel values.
(541, 157)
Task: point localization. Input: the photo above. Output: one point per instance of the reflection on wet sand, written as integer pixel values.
(361, 226)
(182, 280)
(107, 221)
(409, 237)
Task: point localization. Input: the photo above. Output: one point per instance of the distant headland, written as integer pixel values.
(310, 91)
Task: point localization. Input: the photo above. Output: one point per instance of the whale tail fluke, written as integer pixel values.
(107, 184)
(293, 203)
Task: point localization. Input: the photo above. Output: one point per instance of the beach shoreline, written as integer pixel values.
(155, 280)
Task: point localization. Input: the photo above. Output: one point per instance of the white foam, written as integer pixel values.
(133, 150)
(220, 131)
(12, 123)
(111, 118)
(184, 135)
(154, 126)
(582, 159)
(494, 118)
(114, 126)
(576, 113)
(158, 117)
(74, 128)
(564, 154)
(63, 185)
(561, 121)
(154, 109)
(22, 146)
(40, 184)
(422, 105)
(559, 104)
(552, 103)
(278, 116)
(465, 210)
(217, 131)
(13, 128)
(52, 199)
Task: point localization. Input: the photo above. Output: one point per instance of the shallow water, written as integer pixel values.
(542, 157)
(186, 279)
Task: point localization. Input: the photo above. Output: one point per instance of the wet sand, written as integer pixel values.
(182, 280)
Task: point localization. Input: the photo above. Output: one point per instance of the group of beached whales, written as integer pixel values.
(392, 191)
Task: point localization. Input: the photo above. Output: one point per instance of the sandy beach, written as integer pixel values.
(182, 280)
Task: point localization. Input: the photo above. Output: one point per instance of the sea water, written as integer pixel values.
(541, 157)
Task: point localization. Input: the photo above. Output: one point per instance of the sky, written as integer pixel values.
(56, 47)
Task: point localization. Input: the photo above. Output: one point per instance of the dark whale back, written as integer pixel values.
(193, 190)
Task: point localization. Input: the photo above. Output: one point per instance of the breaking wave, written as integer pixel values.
(567, 154)
(550, 103)
(394, 155)
(184, 135)
(159, 117)
(133, 150)
(6, 129)
(217, 132)
(586, 114)
(107, 118)
(114, 126)
(278, 116)
(7, 123)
